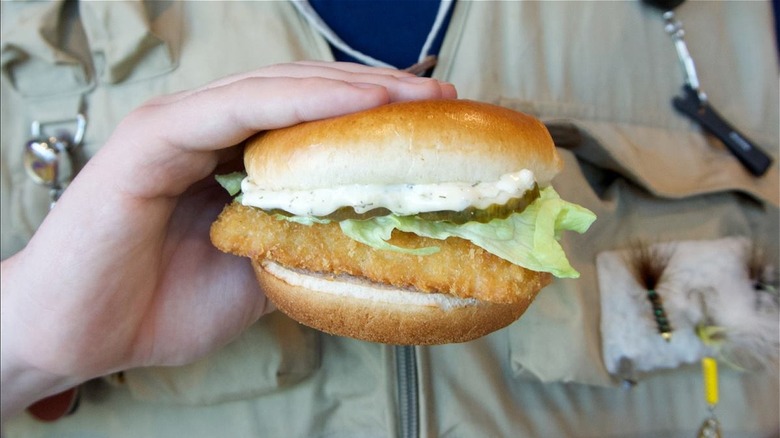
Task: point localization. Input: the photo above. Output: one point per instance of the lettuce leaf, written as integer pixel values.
(231, 182)
(376, 232)
(303, 220)
(528, 239)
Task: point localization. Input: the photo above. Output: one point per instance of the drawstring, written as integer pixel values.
(441, 14)
(305, 8)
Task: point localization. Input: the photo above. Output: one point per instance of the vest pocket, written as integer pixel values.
(668, 158)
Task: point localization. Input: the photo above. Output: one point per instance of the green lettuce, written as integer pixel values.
(303, 220)
(375, 232)
(231, 182)
(528, 239)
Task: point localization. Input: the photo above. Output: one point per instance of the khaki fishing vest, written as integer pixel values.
(600, 74)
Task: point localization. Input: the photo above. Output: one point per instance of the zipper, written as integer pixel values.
(406, 381)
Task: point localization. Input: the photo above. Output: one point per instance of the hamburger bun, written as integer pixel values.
(438, 141)
(371, 312)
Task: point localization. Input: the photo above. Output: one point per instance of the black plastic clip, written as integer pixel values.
(754, 159)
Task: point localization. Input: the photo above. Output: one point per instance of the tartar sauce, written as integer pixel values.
(401, 199)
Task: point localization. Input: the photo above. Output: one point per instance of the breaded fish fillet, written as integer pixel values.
(459, 268)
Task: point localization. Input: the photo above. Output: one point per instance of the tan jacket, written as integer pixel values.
(601, 74)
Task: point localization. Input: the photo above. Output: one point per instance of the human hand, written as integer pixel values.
(121, 273)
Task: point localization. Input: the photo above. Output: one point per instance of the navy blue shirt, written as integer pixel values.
(392, 31)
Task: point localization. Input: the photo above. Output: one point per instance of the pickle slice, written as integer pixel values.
(484, 215)
(341, 214)
(471, 214)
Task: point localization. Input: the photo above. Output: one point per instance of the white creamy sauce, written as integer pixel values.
(361, 289)
(401, 199)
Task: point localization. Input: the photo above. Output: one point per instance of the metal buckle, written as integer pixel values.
(48, 159)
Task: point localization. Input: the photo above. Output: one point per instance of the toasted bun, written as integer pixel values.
(381, 314)
(418, 142)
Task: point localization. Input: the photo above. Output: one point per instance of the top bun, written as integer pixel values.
(417, 142)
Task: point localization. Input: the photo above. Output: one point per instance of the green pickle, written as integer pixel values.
(342, 214)
(484, 215)
(471, 214)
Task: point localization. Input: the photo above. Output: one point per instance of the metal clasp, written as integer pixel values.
(675, 29)
(48, 159)
(74, 140)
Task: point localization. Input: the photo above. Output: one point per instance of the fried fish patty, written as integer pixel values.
(459, 268)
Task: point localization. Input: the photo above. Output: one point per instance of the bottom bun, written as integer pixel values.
(348, 306)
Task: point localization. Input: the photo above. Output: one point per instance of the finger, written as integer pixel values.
(223, 116)
(355, 67)
(353, 72)
(344, 71)
(417, 88)
(300, 69)
(448, 91)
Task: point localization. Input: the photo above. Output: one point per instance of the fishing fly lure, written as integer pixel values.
(740, 330)
(763, 276)
(649, 264)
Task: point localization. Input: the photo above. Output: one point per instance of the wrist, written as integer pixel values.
(21, 382)
(22, 386)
